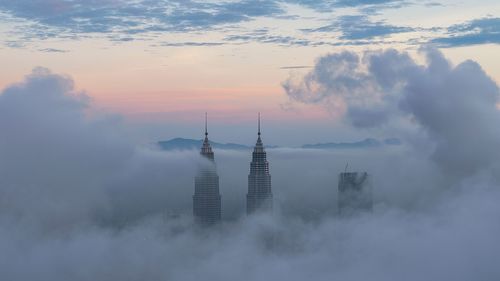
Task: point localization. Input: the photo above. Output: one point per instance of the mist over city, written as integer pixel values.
(249, 140)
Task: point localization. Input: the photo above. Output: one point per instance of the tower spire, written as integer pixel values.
(259, 125)
(206, 130)
(206, 149)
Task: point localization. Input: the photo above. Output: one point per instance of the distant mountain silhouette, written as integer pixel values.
(366, 143)
(190, 144)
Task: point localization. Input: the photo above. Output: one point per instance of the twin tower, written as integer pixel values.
(207, 199)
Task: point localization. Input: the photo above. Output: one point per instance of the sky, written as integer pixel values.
(86, 87)
(160, 65)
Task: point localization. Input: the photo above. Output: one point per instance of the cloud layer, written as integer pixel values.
(454, 105)
(474, 32)
(351, 22)
(79, 201)
(59, 168)
(358, 27)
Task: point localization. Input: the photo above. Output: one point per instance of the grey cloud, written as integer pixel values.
(126, 20)
(263, 36)
(78, 169)
(295, 67)
(358, 27)
(132, 17)
(335, 79)
(474, 32)
(14, 44)
(302, 41)
(450, 103)
(329, 5)
(454, 103)
(52, 50)
(190, 44)
(434, 4)
(79, 201)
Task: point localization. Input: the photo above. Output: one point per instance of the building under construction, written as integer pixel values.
(354, 193)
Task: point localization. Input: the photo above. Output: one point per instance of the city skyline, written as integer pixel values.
(354, 192)
(377, 160)
(207, 201)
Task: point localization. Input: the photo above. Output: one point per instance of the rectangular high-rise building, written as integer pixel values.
(206, 198)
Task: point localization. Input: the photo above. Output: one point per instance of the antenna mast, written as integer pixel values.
(259, 125)
(206, 131)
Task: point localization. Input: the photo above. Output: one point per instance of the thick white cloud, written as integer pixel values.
(454, 105)
(59, 168)
(78, 201)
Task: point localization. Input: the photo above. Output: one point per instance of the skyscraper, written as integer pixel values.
(354, 193)
(259, 196)
(206, 198)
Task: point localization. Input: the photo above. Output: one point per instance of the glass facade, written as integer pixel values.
(259, 196)
(206, 198)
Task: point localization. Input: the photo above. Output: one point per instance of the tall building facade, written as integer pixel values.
(354, 193)
(259, 196)
(206, 198)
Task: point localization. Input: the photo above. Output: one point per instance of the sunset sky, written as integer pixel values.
(161, 64)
